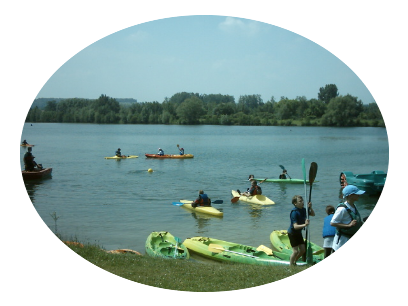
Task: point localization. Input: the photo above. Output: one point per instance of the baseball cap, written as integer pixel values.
(351, 189)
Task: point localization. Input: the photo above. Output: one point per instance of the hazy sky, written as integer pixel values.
(152, 49)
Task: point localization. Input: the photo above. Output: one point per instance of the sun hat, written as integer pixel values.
(351, 189)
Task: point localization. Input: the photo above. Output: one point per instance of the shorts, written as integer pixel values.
(347, 255)
(328, 242)
(296, 238)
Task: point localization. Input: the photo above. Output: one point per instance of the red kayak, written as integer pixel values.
(36, 174)
(169, 156)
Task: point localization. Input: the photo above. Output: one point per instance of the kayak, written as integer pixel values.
(122, 157)
(256, 199)
(371, 183)
(164, 245)
(27, 145)
(287, 181)
(209, 210)
(220, 250)
(36, 174)
(169, 156)
(280, 241)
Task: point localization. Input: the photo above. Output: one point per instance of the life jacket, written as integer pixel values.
(387, 230)
(328, 230)
(204, 200)
(302, 220)
(349, 232)
(256, 190)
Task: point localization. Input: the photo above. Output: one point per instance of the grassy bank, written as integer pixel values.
(28, 269)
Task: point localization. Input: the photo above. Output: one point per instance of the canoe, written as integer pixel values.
(27, 145)
(220, 250)
(36, 174)
(164, 245)
(280, 242)
(209, 210)
(286, 181)
(371, 183)
(256, 199)
(169, 156)
(122, 157)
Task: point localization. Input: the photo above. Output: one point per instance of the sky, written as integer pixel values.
(150, 50)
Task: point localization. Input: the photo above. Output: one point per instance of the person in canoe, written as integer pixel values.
(24, 142)
(118, 153)
(374, 219)
(202, 200)
(298, 222)
(328, 231)
(29, 163)
(181, 151)
(283, 175)
(253, 190)
(161, 152)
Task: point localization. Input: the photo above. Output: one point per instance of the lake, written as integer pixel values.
(117, 203)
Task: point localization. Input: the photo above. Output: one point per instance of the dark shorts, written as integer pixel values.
(296, 238)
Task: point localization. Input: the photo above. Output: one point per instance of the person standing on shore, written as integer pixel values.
(328, 231)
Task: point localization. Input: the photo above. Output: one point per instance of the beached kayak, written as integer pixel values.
(209, 210)
(287, 181)
(256, 199)
(36, 174)
(220, 250)
(165, 245)
(169, 156)
(122, 157)
(280, 241)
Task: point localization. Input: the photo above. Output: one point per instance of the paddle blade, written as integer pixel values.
(234, 199)
(178, 240)
(217, 202)
(265, 249)
(304, 169)
(177, 203)
(312, 172)
(215, 248)
(282, 167)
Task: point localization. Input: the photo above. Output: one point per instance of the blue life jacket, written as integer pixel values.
(204, 200)
(328, 230)
(386, 233)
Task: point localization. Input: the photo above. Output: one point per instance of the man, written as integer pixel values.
(29, 162)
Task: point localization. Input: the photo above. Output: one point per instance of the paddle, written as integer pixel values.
(312, 176)
(178, 240)
(283, 168)
(262, 181)
(213, 202)
(216, 248)
(305, 199)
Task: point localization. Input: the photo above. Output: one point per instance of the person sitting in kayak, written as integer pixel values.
(181, 151)
(254, 190)
(283, 175)
(24, 142)
(202, 200)
(29, 163)
(250, 178)
(118, 153)
(161, 152)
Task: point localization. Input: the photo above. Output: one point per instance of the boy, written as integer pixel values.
(346, 219)
(298, 222)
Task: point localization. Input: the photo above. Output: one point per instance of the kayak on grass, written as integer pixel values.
(287, 181)
(209, 210)
(280, 241)
(37, 174)
(169, 156)
(165, 245)
(220, 250)
(256, 199)
(122, 157)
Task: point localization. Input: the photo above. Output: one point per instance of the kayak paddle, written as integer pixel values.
(178, 241)
(216, 248)
(312, 176)
(305, 200)
(213, 202)
(234, 199)
(283, 168)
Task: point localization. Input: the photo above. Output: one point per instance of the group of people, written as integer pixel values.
(161, 152)
(340, 229)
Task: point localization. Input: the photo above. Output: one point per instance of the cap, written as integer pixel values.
(351, 189)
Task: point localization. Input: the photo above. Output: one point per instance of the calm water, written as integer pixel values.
(118, 203)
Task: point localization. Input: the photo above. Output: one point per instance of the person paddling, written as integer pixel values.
(29, 163)
(253, 190)
(161, 152)
(202, 200)
(118, 153)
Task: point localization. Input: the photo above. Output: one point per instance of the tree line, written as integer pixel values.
(329, 109)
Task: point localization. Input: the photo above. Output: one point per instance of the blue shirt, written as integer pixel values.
(297, 216)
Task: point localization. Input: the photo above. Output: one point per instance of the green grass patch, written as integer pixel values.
(28, 269)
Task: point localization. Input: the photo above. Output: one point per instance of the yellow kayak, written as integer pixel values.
(122, 157)
(209, 210)
(256, 199)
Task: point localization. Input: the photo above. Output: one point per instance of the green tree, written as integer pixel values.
(190, 110)
(342, 111)
(327, 93)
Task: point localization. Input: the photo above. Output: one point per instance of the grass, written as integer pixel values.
(28, 269)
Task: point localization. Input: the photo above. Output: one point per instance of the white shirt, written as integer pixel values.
(341, 216)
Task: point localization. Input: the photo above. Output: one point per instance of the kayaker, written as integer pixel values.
(283, 175)
(181, 151)
(161, 152)
(392, 236)
(118, 153)
(24, 142)
(29, 163)
(328, 231)
(251, 177)
(202, 200)
(298, 222)
(374, 219)
(346, 219)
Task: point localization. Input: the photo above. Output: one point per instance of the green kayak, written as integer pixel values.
(165, 245)
(287, 181)
(280, 241)
(220, 250)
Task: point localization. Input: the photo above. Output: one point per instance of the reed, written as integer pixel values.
(28, 269)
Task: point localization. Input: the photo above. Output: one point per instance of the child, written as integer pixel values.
(392, 236)
(202, 200)
(298, 222)
(347, 221)
(328, 231)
